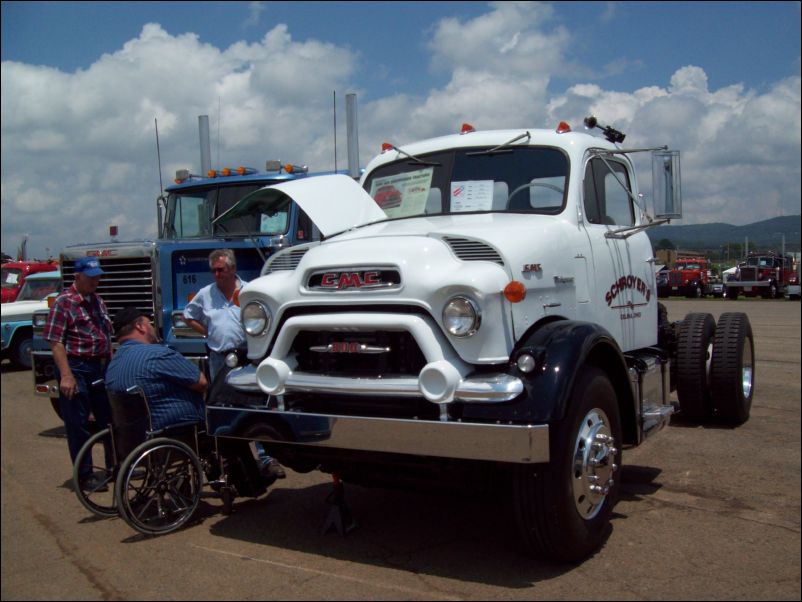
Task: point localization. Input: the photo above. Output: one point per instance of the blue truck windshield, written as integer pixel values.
(190, 213)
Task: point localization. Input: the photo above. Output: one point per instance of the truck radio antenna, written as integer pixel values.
(159, 157)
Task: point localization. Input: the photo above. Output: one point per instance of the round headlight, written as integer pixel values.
(255, 318)
(461, 317)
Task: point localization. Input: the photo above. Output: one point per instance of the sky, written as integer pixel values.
(83, 82)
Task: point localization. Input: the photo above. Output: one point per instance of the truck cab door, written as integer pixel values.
(621, 268)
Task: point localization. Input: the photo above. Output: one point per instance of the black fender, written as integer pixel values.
(561, 348)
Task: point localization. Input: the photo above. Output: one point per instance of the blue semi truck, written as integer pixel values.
(160, 276)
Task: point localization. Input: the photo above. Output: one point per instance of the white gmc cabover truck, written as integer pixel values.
(482, 309)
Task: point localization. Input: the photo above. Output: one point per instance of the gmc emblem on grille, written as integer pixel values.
(349, 347)
(355, 280)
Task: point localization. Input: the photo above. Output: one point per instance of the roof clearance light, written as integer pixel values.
(181, 175)
(515, 292)
(386, 146)
(563, 127)
(241, 170)
(272, 165)
(225, 171)
(467, 128)
(211, 173)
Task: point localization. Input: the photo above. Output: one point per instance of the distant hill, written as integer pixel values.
(765, 235)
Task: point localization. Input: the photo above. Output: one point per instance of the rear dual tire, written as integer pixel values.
(732, 369)
(715, 367)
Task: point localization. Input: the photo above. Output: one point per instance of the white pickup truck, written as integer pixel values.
(482, 309)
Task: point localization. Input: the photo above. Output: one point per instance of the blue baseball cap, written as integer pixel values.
(89, 266)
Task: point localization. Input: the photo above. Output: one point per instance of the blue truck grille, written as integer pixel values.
(128, 281)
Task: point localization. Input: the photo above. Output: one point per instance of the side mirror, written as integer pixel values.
(666, 187)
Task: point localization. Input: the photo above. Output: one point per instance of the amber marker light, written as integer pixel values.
(515, 292)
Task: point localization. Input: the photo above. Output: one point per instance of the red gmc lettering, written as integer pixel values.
(349, 280)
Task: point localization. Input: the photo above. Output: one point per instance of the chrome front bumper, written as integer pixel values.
(486, 388)
(521, 444)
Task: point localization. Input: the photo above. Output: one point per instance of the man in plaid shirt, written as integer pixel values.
(79, 332)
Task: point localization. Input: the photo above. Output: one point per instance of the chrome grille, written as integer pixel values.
(473, 250)
(128, 281)
(748, 274)
(675, 278)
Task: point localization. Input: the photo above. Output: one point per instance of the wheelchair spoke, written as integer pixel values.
(162, 486)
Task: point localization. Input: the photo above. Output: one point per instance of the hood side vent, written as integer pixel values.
(473, 250)
(286, 260)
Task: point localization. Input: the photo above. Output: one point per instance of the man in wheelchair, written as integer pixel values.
(173, 388)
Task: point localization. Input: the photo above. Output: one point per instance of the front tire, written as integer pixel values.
(563, 508)
(21, 352)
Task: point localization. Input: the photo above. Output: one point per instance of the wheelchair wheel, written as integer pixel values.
(159, 486)
(96, 493)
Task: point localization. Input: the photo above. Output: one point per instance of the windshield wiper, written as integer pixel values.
(501, 148)
(413, 157)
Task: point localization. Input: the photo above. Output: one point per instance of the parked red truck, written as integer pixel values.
(767, 274)
(690, 277)
(15, 272)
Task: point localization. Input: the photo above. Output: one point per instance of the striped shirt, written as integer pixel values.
(81, 323)
(164, 375)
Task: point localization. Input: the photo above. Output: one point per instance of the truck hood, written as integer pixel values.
(335, 203)
(21, 310)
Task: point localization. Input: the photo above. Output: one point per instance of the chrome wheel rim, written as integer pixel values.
(594, 464)
(748, 369)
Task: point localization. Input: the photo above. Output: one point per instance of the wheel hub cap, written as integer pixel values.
(594, 464)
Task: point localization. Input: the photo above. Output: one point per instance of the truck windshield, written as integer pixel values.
(11, 277)
(36, 289)
(514, 180)
(190, 213)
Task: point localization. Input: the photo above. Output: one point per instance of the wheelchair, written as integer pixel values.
(153, 479)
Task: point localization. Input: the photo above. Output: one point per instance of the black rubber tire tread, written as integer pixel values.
(120, 489)
(694, 338)
(546, 516)
(21, 353)
(732, 331)
(105, 504)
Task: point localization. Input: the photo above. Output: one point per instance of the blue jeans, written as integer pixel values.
(217, 362)
(89, 399)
